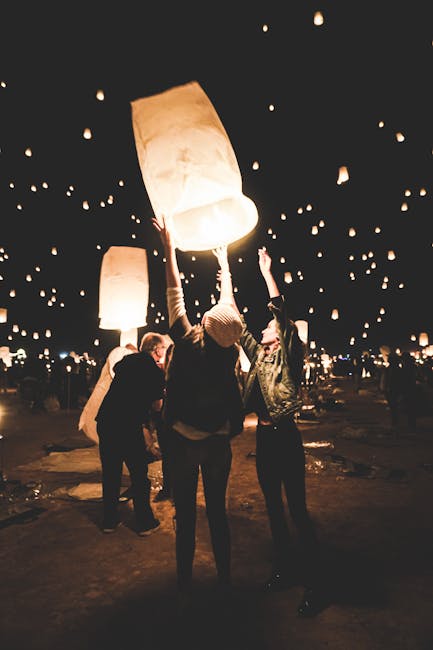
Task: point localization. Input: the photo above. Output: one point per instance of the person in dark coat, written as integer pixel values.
(137, 389)
(203, 409)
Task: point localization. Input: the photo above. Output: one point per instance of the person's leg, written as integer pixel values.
(163, 435)
(185, 469)
(316, 594)
(294, 487)
(135, 460)
(268, 459)
(215, 474)
(111, 464)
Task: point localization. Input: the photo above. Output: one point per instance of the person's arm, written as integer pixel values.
(224, 278)
(265, 263)
(175, 299)
(172, 275)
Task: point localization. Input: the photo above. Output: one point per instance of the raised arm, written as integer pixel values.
(175, 298)
(265, 262)
(172, 274)
(224, 277)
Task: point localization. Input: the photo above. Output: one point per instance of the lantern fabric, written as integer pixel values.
(123, 288)
(189, 168)
(3, 315)
(5, 356)
(302, 326)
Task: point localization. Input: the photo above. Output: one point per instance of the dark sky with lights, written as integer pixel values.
(342, 93)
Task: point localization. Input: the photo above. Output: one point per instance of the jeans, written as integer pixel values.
(280, 462)
(213, 456)
(115, 448)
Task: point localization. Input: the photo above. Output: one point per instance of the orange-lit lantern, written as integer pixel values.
(423, 339)
(302, 326)
(3, 315)
(124, 291)
(5, 355)
(189, 168)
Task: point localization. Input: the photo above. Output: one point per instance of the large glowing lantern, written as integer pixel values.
(3, 315)
(189, 168)
(423, 339)
(124, 291)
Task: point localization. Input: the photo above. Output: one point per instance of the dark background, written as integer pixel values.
(330, 85)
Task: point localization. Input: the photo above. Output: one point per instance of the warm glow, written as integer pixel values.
(123, 288)
(343, 175)
(302, 326)
(318, 18)
(190, 169)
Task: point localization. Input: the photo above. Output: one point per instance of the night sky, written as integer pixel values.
(341, 93)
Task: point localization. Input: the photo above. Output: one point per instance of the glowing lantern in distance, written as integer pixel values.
(302, 326)
(189, 168)
(124, 290)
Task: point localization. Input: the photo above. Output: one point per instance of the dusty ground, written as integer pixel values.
(67, 586)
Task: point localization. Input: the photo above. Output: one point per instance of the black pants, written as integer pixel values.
(164, 436)
(213, 456)
(280, 462)
(118, 445)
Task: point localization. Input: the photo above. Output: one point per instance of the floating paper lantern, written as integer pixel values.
(124, 290)
(343, 175)
(5, 356)
(335, 314)
(302, 326)
(423, 339)
(3, 315)
(189, 168)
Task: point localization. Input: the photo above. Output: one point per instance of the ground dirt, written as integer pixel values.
(65, 585)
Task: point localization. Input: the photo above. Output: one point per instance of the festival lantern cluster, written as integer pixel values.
(191, 173)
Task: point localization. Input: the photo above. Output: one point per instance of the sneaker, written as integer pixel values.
(149, 529)
(111, 527)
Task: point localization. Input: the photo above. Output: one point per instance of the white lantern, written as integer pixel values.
(124, 290)
(6, 356)
(302, 326)
(3, 315)
(189, 168)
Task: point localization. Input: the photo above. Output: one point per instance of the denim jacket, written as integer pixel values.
(279, 373)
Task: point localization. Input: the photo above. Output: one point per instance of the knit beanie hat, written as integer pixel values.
(223, 324)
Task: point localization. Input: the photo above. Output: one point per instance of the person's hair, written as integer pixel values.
(150, 341)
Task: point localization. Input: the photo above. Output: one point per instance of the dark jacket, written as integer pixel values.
(137, 382)
(279, 373)
(202, 387)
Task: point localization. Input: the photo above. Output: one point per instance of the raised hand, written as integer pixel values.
(265, 261)
(220, 253)
(160, 224)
